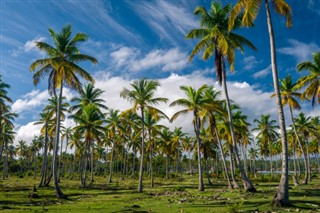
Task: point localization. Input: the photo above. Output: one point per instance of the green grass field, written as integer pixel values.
(167, 196)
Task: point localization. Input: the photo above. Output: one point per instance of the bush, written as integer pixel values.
(179, 188)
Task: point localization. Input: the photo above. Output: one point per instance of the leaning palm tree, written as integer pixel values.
(61, 66)
(312, 80)
(251, 9)
(194, 102)
(218, 41)
(142, 96)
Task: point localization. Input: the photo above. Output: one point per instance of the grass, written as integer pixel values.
(167, 196)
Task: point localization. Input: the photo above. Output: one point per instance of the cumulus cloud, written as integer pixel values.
(166, 60)
(299, 50)
(253, 101)
(33, 99)
(27, 132)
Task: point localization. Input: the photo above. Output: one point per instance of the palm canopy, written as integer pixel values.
(60, 64)
(88, 95)
(288, 93)
(312, 80)
(3, 94)
(142, 95)
(215, 37)
(192, 103)
(267, 128)
(251, 9)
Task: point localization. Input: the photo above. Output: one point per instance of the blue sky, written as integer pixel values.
(134, 39)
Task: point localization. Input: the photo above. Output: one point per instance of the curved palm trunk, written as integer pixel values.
(246, 181)
(282, 195)
(306, 176)
(45, 157)
(223, 160)
(151, 153)
(59, 193)
(197, 131)
(140, 186)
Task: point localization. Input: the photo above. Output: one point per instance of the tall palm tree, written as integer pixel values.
(312, 80)
(165, 144)
(61, 66)
(7, 138)
(217, 40)
(251, 9)
(194, 102)
(142, 96)
(90, 124)
(253, 155)
(289, 94)
(178, 138)
(211, 111)
(267, 134)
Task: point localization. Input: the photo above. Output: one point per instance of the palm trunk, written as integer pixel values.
(223, 160)
(111, 163)
(133, 161)
(140, 186)
(246, 181)
(270, 152)
(5, 168)
(190, 162)
(197, 131)
(92, 153)
(234, 182)
(208, 173)
(45, 157)
(59, 164)
(59, 193)
(167, 167)
(151, 153)
(282, 195)
(245, 159)
(305, 158)
(309, 165)
(294, 160)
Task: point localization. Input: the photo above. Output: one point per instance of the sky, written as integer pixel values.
(146, 39)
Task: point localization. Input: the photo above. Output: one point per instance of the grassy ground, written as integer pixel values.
(167, 196)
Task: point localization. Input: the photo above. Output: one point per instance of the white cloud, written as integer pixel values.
(262, 73)
(250, 62)
(33, 99)
(166, 60)
(27, 132)
(28, 46)
(299, 50)
(168, 20)
(253, 101)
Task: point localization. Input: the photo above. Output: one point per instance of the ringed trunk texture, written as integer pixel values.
(281, 197)
(248, 186)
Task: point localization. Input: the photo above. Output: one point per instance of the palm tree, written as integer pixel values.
(193, 103)
(7, 137)
(267, 133)
(289, 95)
(178, 138)
(217, 40)
(165, 144)
(45, 119)
(211, 111)
(251, 9)
(305, 127)
(63, 70)
(253, 154)
(90, 124)
(312, 80)
(188, 146)
(142, 96)
(88, 95)
(114, 129)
